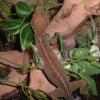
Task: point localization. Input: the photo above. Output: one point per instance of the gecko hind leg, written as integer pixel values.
(58, 94)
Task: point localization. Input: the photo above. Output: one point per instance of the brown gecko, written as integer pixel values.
(53, 68)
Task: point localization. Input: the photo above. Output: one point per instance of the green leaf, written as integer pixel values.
(81, 40)
(91, 69)
(81, 52)
(96, 64)
(75, 67)
(23, 9)
(85, 67)
(26, 36)
(88, 68)
(83, 70)
(12, 26)
(61, 42)
(32, 7)
(90, 82)
(37, 59)
(14, 31)
(93, 25)
(71, 52)
(72, 70)
(38, 95)
(51, 5)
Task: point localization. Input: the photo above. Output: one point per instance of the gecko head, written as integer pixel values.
(39, 21)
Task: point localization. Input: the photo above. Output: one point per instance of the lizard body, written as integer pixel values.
(53, 68)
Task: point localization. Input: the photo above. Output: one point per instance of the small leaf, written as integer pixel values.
(75, 67)
(14, 31)
(23, 9)
(61, 42)
(26, 36)
(11, 24)
(70, 54)
(91, 69)
(81, 52)
(81, 40)
(96, 64)
(85, 67)
(12, 27)
(72, 70)
(83, 70)
(32, 7)
(52, 5)
(37, 59)
(88, 68)
(90, 82)
(93, 25)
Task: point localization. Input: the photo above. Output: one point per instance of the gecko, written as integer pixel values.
(53, 68)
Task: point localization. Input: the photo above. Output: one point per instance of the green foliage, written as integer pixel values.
(36, 94)
(37, 59)
(80, 52)
(81, 40)
(25, 68)
(83, 70)
(23, 9)
(26, 36)
(82, 64)
(51, 5)
(90, 82)
(4, 8)
(61, 43)
(19, 25)
(27, 91)
(93, 27)
(12, 26)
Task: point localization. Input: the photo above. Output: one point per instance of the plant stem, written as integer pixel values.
(13, 84)
(23, 87)
(88, 43)
(78, 60)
